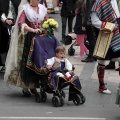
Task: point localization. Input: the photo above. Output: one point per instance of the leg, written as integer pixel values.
(92, 40)
(111, 65)
(101, 72)
(64, 21)
(70, 23)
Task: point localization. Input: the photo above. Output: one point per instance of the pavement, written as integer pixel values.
(97, 106)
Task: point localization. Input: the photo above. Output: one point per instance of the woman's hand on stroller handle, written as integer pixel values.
(37, 31)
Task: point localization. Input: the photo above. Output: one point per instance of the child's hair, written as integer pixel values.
(60, 49)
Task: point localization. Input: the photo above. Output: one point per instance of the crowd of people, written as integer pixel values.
(22, 57)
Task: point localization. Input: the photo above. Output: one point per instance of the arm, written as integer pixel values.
(23, 25)
(50, 62)
(68, 66)
(96, 22)
(89, 4)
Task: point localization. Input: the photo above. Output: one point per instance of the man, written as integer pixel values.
(8, 14)
(111, 64)
(89, 31)
(106, 11)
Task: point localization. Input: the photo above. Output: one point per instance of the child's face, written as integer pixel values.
(60, 55)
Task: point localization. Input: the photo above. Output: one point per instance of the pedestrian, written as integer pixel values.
(60, 67)
(111, 64)
(79, 30)
(28, 25)
(67, 14)
(8, 14)
(106, 10)
(91, 38)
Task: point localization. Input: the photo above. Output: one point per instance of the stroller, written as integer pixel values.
(43, 79)
(58, 96)
(68, 40)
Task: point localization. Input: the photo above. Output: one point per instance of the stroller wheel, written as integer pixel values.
(44, 97)
(76, 99)
(83, 99)
(38, 97)
(55, 101)
(62, 101)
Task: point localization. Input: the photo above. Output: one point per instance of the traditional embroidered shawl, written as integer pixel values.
(106, 13)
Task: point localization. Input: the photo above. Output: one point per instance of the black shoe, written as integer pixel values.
(26, 93)
(62, 41)
(109, 67)
(33, 91)
(88, 59)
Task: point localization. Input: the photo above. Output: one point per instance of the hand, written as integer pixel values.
(37, 31)
(9, 22)
(70, 71)
(83, 28)
(49, 67)
(60, 5)
(116, 26)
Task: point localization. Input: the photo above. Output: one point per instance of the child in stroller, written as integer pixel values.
(61, 75)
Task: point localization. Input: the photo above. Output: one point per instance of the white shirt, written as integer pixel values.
(96, 22)
(68, 65)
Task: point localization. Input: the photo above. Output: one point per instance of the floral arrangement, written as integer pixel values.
(50, 24)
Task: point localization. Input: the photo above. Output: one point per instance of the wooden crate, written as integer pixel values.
(102, 44)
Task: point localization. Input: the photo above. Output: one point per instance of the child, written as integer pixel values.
(79, 29)
(62, 68)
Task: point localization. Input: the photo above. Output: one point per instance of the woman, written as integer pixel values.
(107, 11)
(67, 13)
(28, 24)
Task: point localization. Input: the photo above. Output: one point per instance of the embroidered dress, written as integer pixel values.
(16, 71)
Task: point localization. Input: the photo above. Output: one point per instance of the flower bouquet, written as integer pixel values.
(50, 25)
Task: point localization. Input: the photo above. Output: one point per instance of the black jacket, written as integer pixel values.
(4, 6)
(89, 5)
(78, 24)
(4, 36)
(68, 7)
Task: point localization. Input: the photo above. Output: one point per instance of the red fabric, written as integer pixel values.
(101, 72)
(67, 78)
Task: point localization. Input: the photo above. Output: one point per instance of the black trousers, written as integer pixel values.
(91, 37)
(64, 24)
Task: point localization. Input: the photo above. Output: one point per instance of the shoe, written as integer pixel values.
(33, 91)
(26, 93)
(117, 69)
(106, 91)
(62, 41)
(109, 67)
(88, 59)
(2, 69)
